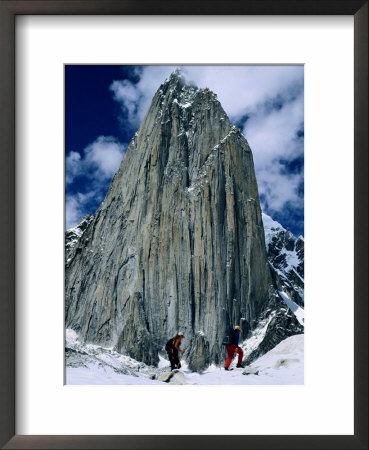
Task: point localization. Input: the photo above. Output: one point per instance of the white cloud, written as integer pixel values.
(105, 155)
(100, 160)
(273, 134)
(90, 175)
(135, 99)
(267, 103)
(241, 88)
(273, 137)
(72, 166)
(75, 208)
(130, 97)
(279, 189)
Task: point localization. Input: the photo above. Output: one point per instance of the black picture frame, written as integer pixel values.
(8, 12)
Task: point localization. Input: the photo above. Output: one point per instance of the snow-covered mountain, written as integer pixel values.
(286, 258)
(72, 237)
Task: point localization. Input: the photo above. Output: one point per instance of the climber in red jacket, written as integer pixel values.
(234, 348)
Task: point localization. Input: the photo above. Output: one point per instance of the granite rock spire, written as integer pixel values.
(178, 242)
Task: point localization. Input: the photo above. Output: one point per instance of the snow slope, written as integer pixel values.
(88, 364)
(296, 309)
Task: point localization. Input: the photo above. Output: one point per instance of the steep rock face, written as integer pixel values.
(178, 242)
(286, 257)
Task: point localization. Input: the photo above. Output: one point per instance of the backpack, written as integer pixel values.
(228, 339)
(169, 345)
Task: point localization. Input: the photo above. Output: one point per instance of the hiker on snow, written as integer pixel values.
(172, 348)
(234, 348)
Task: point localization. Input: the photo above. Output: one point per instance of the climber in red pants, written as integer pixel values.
(234, 348)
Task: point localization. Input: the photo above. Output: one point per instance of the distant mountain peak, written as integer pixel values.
(270, 223)
(286, 258)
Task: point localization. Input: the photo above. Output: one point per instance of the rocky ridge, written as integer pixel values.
(286, 258)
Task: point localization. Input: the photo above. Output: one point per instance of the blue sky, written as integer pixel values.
(104, 106)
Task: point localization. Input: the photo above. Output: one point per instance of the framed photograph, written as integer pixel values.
(163, 168)
(195, 199)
